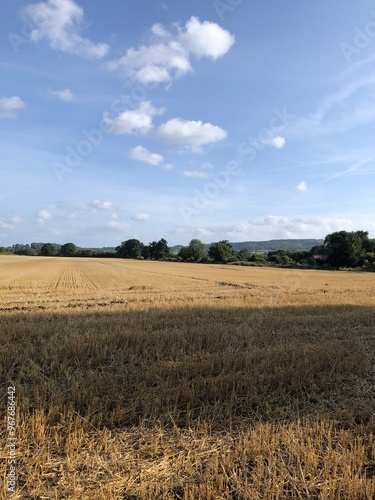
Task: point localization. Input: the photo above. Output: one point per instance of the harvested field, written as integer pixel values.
(147, 380)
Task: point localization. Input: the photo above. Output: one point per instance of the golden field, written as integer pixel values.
(147, 380)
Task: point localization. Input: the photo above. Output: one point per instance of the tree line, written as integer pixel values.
(340, 249)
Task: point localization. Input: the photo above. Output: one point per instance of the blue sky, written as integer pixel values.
(224, 119)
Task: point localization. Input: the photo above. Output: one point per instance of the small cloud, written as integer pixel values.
(65, 95)
(103, 205)
(141, 217)
(10, 104)
(167, 166)
(16, 220)
(302, 186)
(277, 142)
(206, 39)
(193, 134)
(136, 120)
(207, 165)
(195, 174)
(5, 225)
(42, 216)
(141, 154)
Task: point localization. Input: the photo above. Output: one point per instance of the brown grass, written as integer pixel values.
(147, 380)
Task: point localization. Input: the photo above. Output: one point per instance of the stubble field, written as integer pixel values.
(147, 380)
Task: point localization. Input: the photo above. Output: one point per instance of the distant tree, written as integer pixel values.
(86, 253)
(244, 255)
(146, 252)
(279, 257)
(37, 246)
(130, 249)
(258, 257)
(48, 249)
(222, 252)
(159, 249)
(3, 250)
(346, 249)
(299, 256)
(68, 250)
(195, 251)
(20, 249)
(318, 250)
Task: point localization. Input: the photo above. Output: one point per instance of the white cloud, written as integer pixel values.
(167, 166)
(189, 133)
(277, 142)
(206, 39)
(157, 63)
(141, 217)
(168, 57)
(65, 95)
(42, 216)
(8, 105)
(16, 219)
(5, 225)
(11, 223)
(140, 153)
(137, 120)
(59, 22)
(195, 174)
(193, 134)
(302, 186)
(102, 205)
(89, 209)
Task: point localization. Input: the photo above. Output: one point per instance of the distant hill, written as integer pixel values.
(103, 249)
(271, 245)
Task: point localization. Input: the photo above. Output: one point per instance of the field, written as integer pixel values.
(156, 380)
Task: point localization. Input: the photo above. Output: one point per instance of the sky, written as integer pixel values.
(218, 119)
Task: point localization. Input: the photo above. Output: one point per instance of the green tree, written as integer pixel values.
(37, 247)
(244, 255)
(195, 251)
(146, 252)
(159, 249)
(68, 250)
(279, 257)
(346, 249)
(48, 249)
(260, 258)
(222, 252)
(130, 249)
